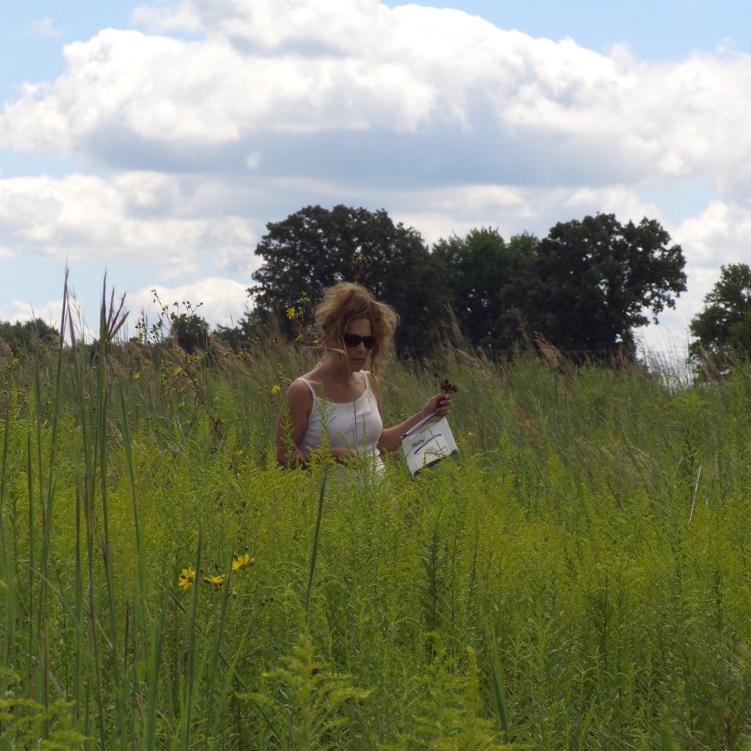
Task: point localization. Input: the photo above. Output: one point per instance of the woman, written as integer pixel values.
(338, 398)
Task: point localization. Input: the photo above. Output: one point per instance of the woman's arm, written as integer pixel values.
(291, 425)
(391, 438)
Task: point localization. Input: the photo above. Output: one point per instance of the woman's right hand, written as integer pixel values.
(440, 405)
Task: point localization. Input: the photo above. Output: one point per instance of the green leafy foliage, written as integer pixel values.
(448, 715)
(316, 247)
(25, 723)
(489, 281)
(583, 288)
(191, 332)
(723, 328)
(23, 337)
(597, 279)
(307, 697)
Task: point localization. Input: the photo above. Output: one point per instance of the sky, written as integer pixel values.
(153, 141)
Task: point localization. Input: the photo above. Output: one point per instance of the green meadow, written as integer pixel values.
(577, 578)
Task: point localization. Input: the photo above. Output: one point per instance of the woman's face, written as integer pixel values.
(357, 353)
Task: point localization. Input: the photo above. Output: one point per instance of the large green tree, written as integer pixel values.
(595, 280)
(723, 328)
(316, 247)
(488, 280)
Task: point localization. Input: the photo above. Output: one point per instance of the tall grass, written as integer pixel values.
(578, 578)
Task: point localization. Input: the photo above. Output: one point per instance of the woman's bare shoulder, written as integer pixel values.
(300, 390)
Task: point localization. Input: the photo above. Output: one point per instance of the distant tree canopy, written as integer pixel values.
(488, 282)
(723, 328)
(583, 288)
(595, 280)
(316, 247)
(20, 337)
(240, 335)
(190, 331)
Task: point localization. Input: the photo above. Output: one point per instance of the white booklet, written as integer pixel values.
(428, 442)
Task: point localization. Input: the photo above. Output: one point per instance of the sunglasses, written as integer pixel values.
(354, 340)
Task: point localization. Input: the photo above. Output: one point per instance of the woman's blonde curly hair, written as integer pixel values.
(344, 302)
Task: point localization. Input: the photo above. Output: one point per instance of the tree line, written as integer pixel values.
(583, 288)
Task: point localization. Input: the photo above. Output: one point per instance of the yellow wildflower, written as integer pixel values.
(242, 561)
(216, 581)
(137, 376)
(291, 313)
(186, 579)
(276, 389)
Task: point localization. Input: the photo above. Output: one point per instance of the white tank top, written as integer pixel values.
(355, 425)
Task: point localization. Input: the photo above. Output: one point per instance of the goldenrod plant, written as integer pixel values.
(304, 697)
(448, 715)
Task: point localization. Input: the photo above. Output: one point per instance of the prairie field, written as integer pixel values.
(577, 578)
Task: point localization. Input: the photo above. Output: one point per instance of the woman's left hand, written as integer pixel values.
(440, 404)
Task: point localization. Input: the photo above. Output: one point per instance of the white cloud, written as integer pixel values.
(413, 93)
(145, 218)
(717, 236)
(716, 233)
(22, 310)
(44, 28)
(216, 299)
(221, 300)
(253, 160)
(438, 213)
(337, 26)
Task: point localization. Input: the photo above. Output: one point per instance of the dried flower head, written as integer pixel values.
(447, 387)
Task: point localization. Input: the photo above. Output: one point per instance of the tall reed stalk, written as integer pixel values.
(316, 539)
(8, 569)
(93, 424)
